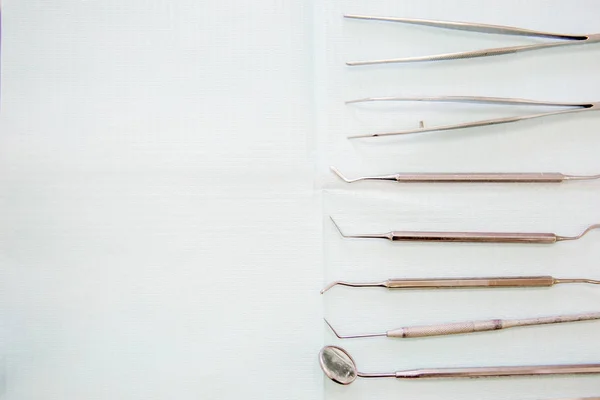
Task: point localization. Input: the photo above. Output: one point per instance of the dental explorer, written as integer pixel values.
(470, 237)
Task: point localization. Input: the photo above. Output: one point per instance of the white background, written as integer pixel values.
(160, 234)
(165, 193)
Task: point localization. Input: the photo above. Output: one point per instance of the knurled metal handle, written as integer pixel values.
(481, 177)
(557, 319)
(446, 329)
(474, 237)
(521, 281)
(500, 371)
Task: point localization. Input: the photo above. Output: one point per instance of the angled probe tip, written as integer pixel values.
(331, 327)
(326, 288)
(340, 175)
(337, 227)
(352, 336)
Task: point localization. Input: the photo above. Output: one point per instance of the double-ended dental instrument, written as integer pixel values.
(561, 39)
(465, 283)
(469, 237)
(565, 108)
(470, 326)
(339, 366)
(487, 177)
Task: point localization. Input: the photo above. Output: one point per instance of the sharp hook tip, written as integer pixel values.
(331, 327)
(352, 336)
(337, 227)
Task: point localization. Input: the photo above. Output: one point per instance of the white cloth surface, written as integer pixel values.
(165, 196)
(160, 234)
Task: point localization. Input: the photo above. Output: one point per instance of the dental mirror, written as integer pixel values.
(339, 366)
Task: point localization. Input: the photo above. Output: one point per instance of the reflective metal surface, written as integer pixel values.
(469, 237)
(567, 108)
(463, 283)
(471, 326)
(471, 177)
(337, 364)
(561, 39)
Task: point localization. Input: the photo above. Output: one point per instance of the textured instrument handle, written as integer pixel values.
(558, 319)
(487, 325)
(446, 329)
(500, 371)
(474, 237)
(482, 177)
(518, 281)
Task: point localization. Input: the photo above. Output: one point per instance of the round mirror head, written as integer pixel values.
(337, 365)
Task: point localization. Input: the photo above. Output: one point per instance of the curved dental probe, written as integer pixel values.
(571, 108)
(339, 366)
(499, 177)
(566, 40)
(470, 326)
(465, 283)
(469, 237)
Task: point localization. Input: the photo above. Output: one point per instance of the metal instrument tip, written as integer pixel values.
(353, 284)
(387, 236)
(332, 330)
(581, 177)
(337, 227)
(363, 136)
(352, 336)
(364, 178)
(577, 280)
(339, 174)
(326, 288)
(589, 229)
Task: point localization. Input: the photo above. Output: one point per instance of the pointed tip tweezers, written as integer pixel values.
(567, 107)
(565, 39)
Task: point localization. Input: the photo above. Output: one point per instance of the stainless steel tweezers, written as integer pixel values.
(566, 40)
